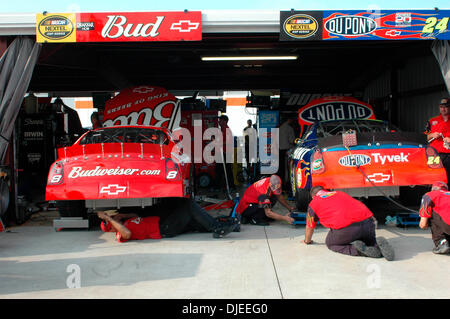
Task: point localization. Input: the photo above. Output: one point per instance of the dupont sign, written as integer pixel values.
(334, 108)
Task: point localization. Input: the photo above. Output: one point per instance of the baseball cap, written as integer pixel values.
(440, 184)
(445, 101)
(275, 184)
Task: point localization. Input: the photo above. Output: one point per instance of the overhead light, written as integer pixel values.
(249, 58)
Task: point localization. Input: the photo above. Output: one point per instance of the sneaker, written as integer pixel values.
(366, 251)
(442, 248)
(386, 249)
(258, 222)
(223, 230)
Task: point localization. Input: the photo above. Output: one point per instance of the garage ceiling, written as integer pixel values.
(335, 66)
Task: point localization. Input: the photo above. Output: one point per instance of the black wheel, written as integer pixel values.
(302, 199)
(71, 208)
(204, 180)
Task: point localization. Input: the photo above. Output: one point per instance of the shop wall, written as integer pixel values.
(419, 88)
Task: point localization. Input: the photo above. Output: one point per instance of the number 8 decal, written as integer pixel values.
(172, 175)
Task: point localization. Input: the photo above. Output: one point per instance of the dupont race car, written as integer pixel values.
(345, 148)
(118, 166)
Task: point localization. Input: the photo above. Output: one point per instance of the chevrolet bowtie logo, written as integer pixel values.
(184, 26)
(379, 177)
(393, 33)
(143, 89)
(113, 189)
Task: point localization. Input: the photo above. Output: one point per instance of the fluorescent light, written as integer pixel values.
(249, 58)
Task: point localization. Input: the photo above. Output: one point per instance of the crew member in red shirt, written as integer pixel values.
(256, 204)
(169, 219)
(435, 208)
(351, 224)
(438, 134)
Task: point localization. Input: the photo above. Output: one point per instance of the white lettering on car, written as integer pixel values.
(77, 172)
(401, 158)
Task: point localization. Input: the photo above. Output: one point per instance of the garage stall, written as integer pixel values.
(396, 61)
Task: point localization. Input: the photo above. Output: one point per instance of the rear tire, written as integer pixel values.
(302, 199)
(71, 208)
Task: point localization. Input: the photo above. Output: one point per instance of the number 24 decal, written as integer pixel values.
(432, 24)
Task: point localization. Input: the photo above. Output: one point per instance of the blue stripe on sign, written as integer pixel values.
(372, 147)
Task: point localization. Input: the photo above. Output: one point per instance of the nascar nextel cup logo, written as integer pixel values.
(55, 27)
(335, 111)
(350, 25)
(300, 26)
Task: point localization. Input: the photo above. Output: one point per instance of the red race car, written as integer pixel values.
(345, 148)
(116, 167)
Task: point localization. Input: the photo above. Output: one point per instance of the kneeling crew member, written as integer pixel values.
(256, 205)
(435, 208)
(351, 223)
(162, 221)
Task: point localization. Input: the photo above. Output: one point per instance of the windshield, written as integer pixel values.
(125, 135)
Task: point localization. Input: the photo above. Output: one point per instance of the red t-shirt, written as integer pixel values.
(335, 210)
(257, 193)
(436, 202)
(141, 228)
(437, 124)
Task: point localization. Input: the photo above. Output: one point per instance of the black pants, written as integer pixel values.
(445, 158)
(282, 167)
(254, 211)
(181, 215)
(339, 240)
(439, 229)
(220, 181)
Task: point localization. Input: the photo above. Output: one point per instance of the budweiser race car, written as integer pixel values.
(132, 161)
(119, 166)
(345, 148)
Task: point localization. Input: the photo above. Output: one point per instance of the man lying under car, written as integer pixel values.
(168, 219)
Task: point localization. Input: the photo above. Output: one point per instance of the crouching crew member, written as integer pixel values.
(173, 218)
(351, 224)
(435, 209)
(256, 204)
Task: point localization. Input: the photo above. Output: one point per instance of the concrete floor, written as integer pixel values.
(258, 263)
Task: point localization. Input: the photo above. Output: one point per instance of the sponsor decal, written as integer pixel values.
(354, 160)
(379, 177)
(113, 189)
(317, 164)
(401, 158)
(55, 28)
(119, 26)
(334, 108)
(301, 99)
(403, 19)
(324, 194)
(350, 25)
(184, 26)
(385, 25)
(143, 105)
(98, 171)
(301, 26)
(142, 26)
(33, 122)
(85, 26)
